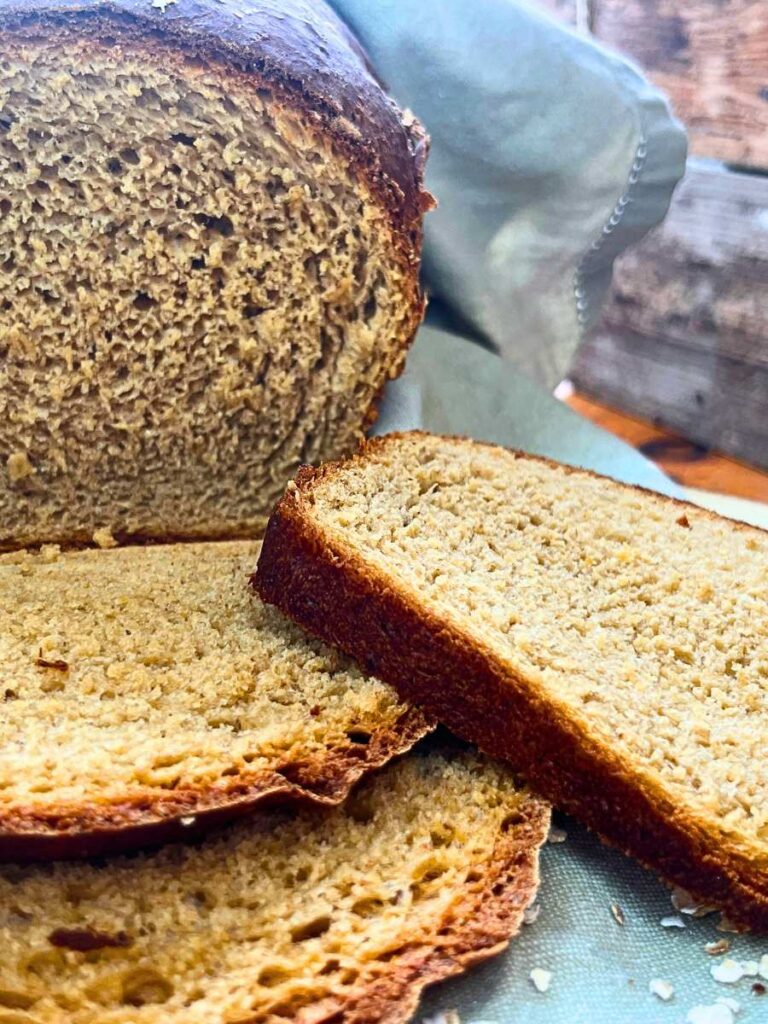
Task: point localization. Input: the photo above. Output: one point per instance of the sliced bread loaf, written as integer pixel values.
(210, 233)
(148, 691)
(610, 642)
(331, 915)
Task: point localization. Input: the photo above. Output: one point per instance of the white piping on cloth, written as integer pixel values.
(579, 291)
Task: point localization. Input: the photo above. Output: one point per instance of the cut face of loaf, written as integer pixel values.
(147, 692)
(209, 239)
(330, 915)
(611, 643)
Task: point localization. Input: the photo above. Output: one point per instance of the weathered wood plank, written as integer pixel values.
(711, 57)
(684, 337)
(701, 278)
(715, 401)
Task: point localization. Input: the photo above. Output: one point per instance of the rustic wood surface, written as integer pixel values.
(713, 401)
(684, 337)
(710, 56)
(702, 277)
(689, 464)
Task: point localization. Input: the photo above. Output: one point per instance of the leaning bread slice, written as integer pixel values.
(342, 914)
(147, 690)
(610, 642)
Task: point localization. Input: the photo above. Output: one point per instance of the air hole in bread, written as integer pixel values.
(218, 223)
(370, 307)
(511, 820)
(250, 311)
(368, 906)
(144, 301)
(145, 986)
(15, 999)
(312, 929)
(442, 835)
(359, 736)
(272, 974)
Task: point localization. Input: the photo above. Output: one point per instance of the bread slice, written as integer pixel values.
(330, 915)
(147, 691)
(610, 642)
(210, 233)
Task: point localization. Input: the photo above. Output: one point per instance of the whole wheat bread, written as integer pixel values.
(147, 692)
(210, 233)
(610, 642)
(340, 915)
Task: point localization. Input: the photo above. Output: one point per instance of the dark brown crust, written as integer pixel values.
(327, 588)
(298, 47)
(87, 830)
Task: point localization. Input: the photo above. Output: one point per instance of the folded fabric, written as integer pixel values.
(549, 156)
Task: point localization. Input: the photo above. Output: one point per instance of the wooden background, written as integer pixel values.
(684, 338)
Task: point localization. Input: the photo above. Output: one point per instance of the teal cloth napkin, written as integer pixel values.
(549, 156)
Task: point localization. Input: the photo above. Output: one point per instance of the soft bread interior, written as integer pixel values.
(199, 293)
(140, 683)
(642, 620)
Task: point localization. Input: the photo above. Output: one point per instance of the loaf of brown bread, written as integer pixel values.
(340, 915)
(210, 230)
(147, 692)
(610, 642)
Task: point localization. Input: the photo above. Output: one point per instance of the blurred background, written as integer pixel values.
(678, 364)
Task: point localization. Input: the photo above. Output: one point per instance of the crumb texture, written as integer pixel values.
(644, 626)
(199, 293)
(143, 682)
(340, 914)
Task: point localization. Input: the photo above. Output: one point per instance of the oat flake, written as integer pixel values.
(540, 979)
(661, 988)
(718, 1013)
(727, 972)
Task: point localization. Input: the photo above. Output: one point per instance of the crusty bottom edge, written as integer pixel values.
(39, 833)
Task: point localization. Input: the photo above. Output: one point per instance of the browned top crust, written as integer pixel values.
(298, 47)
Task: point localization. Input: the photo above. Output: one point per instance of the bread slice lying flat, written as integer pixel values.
(343, 914)
(145, 688)
(611, 643)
